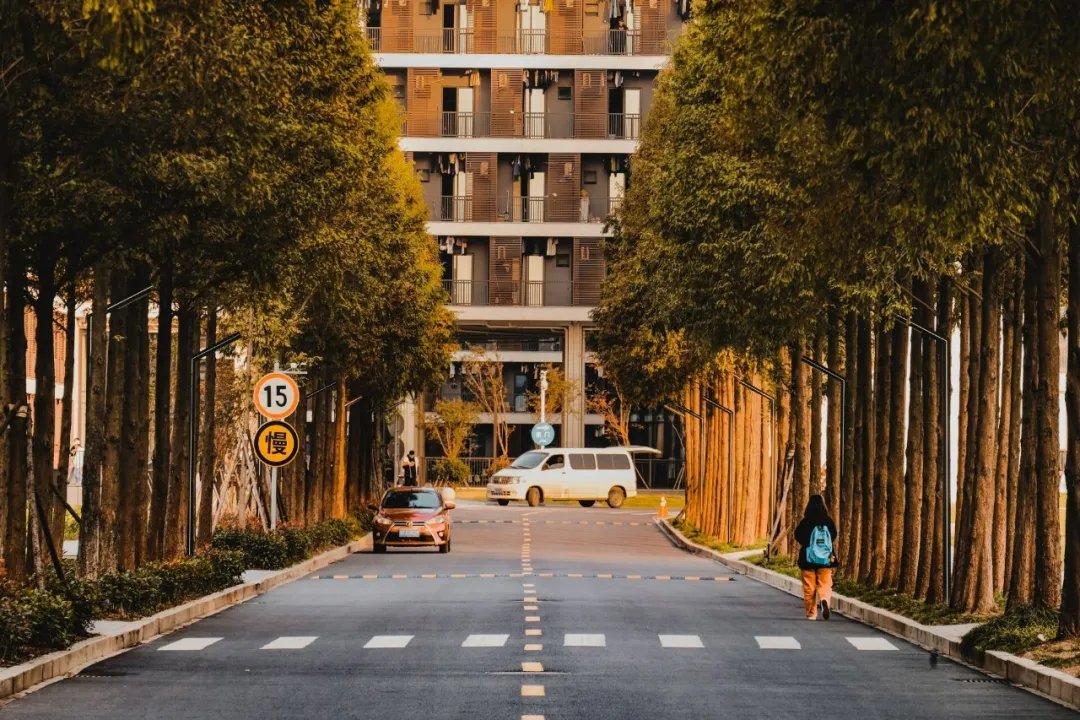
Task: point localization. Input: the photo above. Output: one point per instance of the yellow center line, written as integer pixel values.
(371, 577)
(532, 618)
(399, 577)
(534, 632)
(341, 577)
(532, 691)
(532, 667)
(533, 647)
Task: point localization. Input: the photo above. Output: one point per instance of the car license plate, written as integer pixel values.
(409, 533)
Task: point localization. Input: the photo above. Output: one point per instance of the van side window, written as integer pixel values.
(582, 461)
(620, 462)
(555, 462)
(605, 462)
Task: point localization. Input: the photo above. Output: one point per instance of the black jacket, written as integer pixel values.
(802, 536)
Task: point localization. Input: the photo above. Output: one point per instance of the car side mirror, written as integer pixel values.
(450, 505)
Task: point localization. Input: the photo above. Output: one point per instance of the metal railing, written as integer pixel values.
(465, 124)
(519, 293)
(614, 42)
(447, 40)
(622, 125)
(524, 209)
(374, 38)
(457, 208)
(523, 42)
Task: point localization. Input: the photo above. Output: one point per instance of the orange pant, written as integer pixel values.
(816, 582)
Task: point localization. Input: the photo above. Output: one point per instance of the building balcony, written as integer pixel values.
(453, 41)
(522, 293)
(530, 125)
(531, 209)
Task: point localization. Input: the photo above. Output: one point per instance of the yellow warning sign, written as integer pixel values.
(276, 443)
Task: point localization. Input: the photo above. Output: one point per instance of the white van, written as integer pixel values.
(582, 474)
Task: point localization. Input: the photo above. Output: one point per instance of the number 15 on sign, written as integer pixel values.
(276, 395)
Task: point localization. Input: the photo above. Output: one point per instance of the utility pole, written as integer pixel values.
(543, 395)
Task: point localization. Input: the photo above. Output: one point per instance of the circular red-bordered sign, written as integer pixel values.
(276, 395)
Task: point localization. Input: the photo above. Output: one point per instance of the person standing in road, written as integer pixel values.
(816, 533)
(408, 469)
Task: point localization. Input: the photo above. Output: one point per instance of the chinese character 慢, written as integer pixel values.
(277, 442)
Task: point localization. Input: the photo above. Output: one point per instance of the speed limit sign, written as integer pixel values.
(276, 395)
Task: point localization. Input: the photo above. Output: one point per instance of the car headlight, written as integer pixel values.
(437, 520)
(382, 520)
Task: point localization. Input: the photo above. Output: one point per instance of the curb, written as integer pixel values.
(1027, 674)
(64, 663)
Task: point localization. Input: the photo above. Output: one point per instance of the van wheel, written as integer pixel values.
(533, 497)
(586, 503)
(504, 503)
(615, 497)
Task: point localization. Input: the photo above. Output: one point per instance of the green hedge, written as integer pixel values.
(33, 620)
(288, 544)
(450, 471)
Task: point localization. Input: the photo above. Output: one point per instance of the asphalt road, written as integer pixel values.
(537, 613)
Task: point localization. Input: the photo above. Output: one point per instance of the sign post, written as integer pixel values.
(542, 434)
(276, 396)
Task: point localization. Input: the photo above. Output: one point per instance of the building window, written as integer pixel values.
(590, 177)
(566, 92)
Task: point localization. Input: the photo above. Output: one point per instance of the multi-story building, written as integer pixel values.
(520, 116)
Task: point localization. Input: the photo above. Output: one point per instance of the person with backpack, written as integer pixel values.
(816, 533)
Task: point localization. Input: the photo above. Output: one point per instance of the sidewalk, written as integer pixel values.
(945, 640)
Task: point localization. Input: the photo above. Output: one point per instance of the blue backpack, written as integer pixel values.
(820, 551)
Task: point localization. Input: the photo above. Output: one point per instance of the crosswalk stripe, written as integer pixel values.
(533, 647)
(534, 632)
(474, 641)
(290, 643)
(190, 644)
(584, 640)
(532, 667)
(777, 642)
(532, 691)
(871, 643)
(681, 641)
(387, 642)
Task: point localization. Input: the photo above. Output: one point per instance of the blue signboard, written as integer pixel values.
(543, 434)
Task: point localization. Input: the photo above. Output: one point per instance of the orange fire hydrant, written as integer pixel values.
(662, 512)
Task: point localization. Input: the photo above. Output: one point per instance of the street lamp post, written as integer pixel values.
(193, 432)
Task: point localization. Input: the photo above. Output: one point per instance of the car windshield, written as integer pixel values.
(529, 460)
(419, 499)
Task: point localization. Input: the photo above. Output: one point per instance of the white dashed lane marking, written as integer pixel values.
(290, 643)
(189, 644)
(584, 640)
(774, 642)
(871, 643)
(386, 642)
(476, 641)
(680, 641)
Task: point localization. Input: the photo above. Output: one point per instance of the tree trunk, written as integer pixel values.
(850, 492)
(17, 439)
(176, 516)
(90, 560)
(339, 450)
(965, 510)
(6, 172)
(359, 430)
(864, 445)
(71, 332)
(964, 317)
(142, 431)
(1047, 407)
(898, 363)
(883, 400)
(834, 438)
(930, 577)
(1069, 626)
(207, 450)
(916, 436)
(44, 420)
(1001, 464)
(1022, 581)
(800, 489)
(974, 590)
(133, 489)
(163, 372)
(113, 540)
(313, 486)
(1012, 500)
(817, 484)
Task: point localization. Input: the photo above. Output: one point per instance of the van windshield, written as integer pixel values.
(529, 461)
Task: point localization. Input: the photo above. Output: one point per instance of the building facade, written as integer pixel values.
(520, 117)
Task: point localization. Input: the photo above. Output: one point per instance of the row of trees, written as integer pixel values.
(240, 160)
(856, 183)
